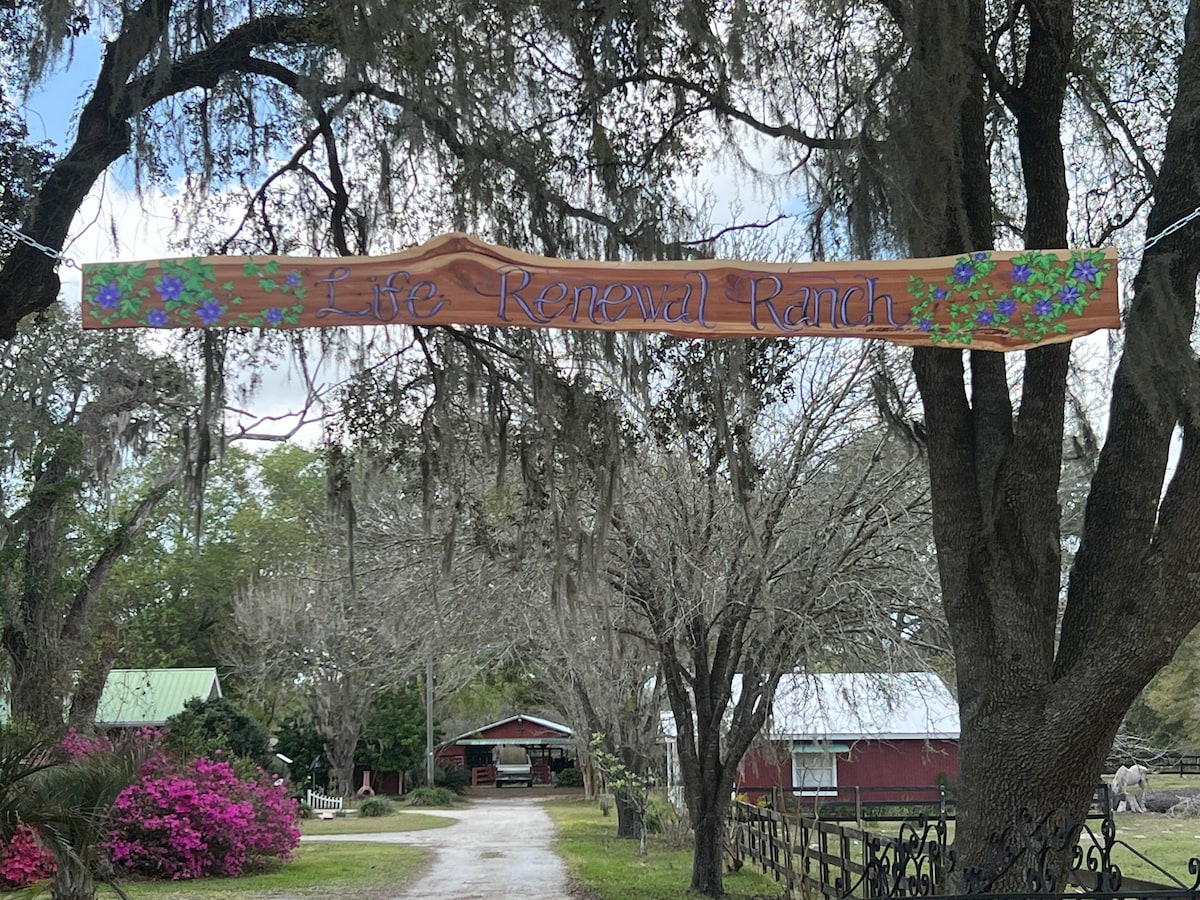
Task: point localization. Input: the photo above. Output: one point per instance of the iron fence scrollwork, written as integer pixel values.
(1055, 856)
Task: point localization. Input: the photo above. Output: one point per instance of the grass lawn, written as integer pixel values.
(318, 870)
(1170, 842)
(612, 870)
(397, 821)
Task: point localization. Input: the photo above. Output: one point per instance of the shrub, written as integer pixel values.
(454, 778)
(438, 796)
(217, 727)
(660, 814)
(23, 859)
(376, 806)
(572, 778)
(200, 820)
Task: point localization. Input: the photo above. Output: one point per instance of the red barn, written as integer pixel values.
(548, 744)
(847, 737)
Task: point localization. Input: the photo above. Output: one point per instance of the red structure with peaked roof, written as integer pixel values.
(549, 745)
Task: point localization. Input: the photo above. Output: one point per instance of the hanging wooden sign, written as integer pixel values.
(991, 300)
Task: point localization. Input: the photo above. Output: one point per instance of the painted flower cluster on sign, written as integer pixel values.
(1029, 295)
(188, 294)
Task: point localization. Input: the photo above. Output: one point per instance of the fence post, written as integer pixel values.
(858, 817)
(787, 855)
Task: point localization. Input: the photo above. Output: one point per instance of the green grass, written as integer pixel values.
(610, 869)
(397, 821)
(318, 870)
(1170, 842)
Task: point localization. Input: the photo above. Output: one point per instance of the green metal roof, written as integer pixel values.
(134, 697)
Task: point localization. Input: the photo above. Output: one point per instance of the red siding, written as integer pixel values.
(450, 755)
(902, 763)
(897, 764)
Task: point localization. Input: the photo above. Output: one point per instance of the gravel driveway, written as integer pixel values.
(499, 848)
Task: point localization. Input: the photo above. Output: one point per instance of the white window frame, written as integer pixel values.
(814, 773)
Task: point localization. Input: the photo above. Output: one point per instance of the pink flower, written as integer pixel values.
(200, 820)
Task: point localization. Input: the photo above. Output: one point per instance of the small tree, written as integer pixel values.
(632, 788)
(393, 736)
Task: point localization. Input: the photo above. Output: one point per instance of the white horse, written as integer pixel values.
(1129, 786)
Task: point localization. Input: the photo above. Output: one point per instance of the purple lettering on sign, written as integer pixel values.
(339, 274)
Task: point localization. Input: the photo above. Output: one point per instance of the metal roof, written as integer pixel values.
(854, 706)
(135, 697)
(850, 706)
(472, 736)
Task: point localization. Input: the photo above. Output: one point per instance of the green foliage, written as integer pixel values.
(452, 778)
(299, 740)
(659, 815)
(23, 754)
(424, 796)
(72, 414)
(376, 806)
(621, 779)
(1166, 714)
(208, 726)
(259, 512)
(73, 801)
(569, 778)
(393, 736)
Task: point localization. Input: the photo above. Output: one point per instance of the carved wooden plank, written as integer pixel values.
(989, 300)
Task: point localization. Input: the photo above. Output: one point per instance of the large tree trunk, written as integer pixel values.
(1040, 706)
(40, 682)
(708, 846)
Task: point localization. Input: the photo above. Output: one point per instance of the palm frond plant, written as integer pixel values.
(75, 805)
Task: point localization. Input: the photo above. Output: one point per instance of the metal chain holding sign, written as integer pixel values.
(40, 247)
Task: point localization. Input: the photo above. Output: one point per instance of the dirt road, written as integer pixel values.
(499, 848)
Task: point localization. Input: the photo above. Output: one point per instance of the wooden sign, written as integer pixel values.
(990, 300)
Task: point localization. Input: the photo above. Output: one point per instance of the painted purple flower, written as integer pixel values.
(274, 316)
(169, 287)
(925, 324)
(1021, 273)
(939, 293)
(1084, 270)
(1007, 306)
(209, 312)
(981, 256)
(1043, 307)
(984, 317)
(963, 272)
(157, 318)
(108, 296)
(1069, 295)
(293, 279)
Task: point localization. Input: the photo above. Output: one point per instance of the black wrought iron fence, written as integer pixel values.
(1050, 858)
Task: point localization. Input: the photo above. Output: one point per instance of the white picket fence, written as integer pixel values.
(319, 802)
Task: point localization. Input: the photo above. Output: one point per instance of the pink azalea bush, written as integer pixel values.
(23, 859)
(80, 746)
(200, 820)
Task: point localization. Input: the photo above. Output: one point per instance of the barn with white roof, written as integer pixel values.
(858, 737)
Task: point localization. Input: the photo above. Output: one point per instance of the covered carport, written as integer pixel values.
(549, 745)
